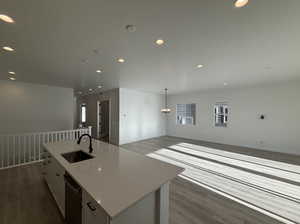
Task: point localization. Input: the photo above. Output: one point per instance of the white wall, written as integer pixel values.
(32, 108)
(280, 131)
(140, 116)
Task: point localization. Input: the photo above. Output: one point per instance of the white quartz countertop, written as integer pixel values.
(116, 178)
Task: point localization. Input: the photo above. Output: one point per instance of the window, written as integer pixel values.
(186, 114)
(221, 114)
(83, 113)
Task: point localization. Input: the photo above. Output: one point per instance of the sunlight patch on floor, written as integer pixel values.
(242, 157)
(277, 172)
(206, 167)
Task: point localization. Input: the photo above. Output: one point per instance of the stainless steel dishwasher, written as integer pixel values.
(73, 206)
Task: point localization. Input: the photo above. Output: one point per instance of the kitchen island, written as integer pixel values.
(118, 186)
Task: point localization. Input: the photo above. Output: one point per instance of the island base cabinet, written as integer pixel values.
(54, 177)
(92, 212)
(152, 209)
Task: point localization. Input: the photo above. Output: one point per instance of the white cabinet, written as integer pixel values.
(145, 211)
(54, 176)
(46, 168)
(92, 213)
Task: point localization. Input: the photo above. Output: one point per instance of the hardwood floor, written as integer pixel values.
(193, 204)
(151, 145)
(25, 198)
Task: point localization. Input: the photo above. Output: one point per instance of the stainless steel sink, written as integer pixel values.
(77, 156)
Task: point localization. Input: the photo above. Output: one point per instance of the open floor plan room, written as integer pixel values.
(149, 112)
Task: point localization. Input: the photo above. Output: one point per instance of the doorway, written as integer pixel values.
(103, 129)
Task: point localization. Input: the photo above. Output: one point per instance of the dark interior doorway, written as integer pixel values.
(103, 120)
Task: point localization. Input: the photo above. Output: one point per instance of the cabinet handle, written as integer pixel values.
(91, 207)
(57, 174)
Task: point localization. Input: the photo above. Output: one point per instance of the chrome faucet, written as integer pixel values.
(90, 137)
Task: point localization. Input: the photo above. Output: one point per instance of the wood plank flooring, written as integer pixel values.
(191, 203)
(25, 198)
(268, 198)
(151, 145)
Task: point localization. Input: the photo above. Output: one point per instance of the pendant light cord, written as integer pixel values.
(166, 100)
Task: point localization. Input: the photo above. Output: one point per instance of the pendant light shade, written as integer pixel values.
(166, 109)
(240, 3)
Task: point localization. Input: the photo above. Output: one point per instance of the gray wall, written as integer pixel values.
(140, 116)
(91, 102)
(278, 132)
(33, 108)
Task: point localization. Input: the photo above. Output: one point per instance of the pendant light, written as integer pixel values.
(240, 3)
(166, 110)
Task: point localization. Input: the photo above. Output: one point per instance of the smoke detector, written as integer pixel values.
(131, 28)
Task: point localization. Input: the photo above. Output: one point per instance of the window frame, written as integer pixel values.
(224, 113)
(192, 112)
(81, 107)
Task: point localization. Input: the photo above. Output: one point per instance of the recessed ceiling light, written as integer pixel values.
(159, 41)
(12, 73)
(99, 87)
(199, 66)
(240, 3)
(12, 78)
(90, 89)
(121, 60)
(99, 71)
(6, 18)
(6, 48)
(225, 83)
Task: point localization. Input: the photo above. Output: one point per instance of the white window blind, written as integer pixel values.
(186, 114)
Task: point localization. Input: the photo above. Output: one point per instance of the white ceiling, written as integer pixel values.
(64, 42)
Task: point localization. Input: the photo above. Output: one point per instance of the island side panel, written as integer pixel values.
(162, 204)
(153, 209)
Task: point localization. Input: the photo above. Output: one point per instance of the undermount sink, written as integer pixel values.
(77, 156)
